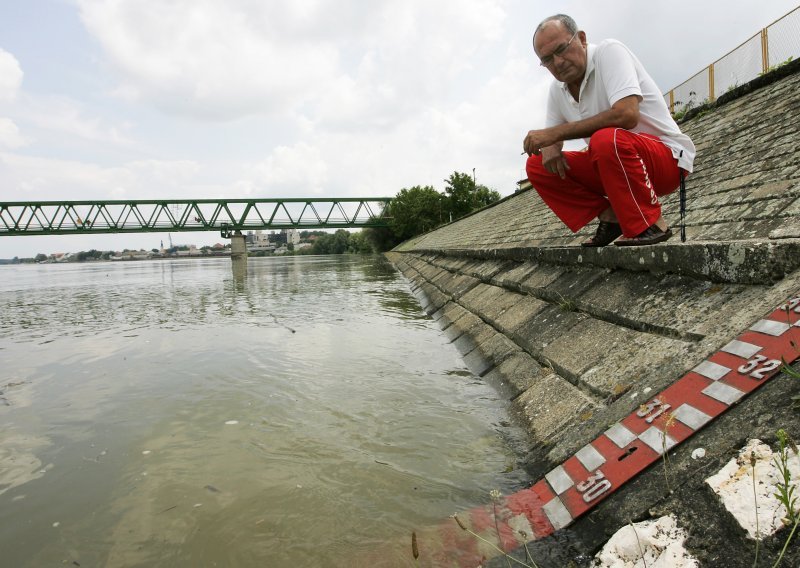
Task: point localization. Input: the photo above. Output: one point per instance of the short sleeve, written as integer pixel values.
(554, 114)
(617, 70)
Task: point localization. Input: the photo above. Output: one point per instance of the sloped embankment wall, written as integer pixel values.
(579, 338)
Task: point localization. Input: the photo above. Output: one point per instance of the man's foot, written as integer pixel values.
(650, 236)
(605, 235)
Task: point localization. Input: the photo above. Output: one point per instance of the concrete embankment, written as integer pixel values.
(577, 339)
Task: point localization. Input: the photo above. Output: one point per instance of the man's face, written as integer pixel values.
(563, 54)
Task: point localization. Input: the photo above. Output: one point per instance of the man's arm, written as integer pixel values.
(623, 114)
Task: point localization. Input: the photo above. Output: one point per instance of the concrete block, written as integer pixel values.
(433, 298)
(517, 373)
(669, 303)
(584, 346)
(515, 273)
(636, 362)
(525, 309)
(543, 276)
(497, 347)
(478, 363)
(461, 284)
(549, 406)
(449, 313)
(544, 327)
(477, 335)
(461, 325)
(486, 270)
(489, 301)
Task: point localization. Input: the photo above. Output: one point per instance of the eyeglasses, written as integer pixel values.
(548, 61)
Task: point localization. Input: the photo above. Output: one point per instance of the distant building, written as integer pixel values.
(273, 242)
(192, 251)
(292, 236)
(258, 241)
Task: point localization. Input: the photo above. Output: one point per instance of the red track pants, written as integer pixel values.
(625, 170)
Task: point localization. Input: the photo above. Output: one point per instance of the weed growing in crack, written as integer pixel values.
(786, 489)
(755, 502)
(664, 448)
(638, 542)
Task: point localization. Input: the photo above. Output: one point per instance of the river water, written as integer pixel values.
(164, 413)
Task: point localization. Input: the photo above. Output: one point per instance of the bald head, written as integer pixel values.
(559, 20)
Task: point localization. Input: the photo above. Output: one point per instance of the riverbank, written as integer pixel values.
(577, 340)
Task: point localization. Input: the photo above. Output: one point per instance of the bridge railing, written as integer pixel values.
(224, 215)
(774, 45)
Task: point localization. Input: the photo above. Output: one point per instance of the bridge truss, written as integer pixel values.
(224, 215)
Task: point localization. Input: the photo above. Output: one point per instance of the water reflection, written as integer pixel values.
(170, 413)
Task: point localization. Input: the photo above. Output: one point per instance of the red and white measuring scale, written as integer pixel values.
(629, 446)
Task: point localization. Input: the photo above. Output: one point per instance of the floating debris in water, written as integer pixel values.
(212, 489)
(56, 524)
(698, 453)
(196, 505)
(232, 422)
(146, 452)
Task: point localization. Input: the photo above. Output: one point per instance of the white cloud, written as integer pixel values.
(338, 60)
(211, 59)
(9, 134)
(67, 116)
(38, 178)
(301, 168)
(10, 76)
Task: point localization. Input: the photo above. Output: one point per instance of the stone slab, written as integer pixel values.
(544, 327)
(476, 335)
(525, 309)
(449, 313)
(462, 325)
(549, 406)
(585, 345)
(489, 301)
(748, 262)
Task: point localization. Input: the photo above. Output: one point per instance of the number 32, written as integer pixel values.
(752, 368)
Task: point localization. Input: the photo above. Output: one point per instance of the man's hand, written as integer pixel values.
(554, 161)
(538, 139)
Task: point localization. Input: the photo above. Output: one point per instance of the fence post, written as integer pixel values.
(764, 51)
(672, 101)
(711, 83)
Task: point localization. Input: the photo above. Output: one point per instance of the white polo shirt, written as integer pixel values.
(613, 72)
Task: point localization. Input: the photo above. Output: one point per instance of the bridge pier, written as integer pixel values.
(238, 254)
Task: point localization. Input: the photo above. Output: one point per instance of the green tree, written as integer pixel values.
(323, 244)
(464, 196)
(359, 244)
(380, 239)
(414, 211)
(40, 257)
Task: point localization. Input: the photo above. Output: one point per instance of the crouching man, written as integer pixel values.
(636, 152)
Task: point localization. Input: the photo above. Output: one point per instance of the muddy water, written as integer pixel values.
(164, 414)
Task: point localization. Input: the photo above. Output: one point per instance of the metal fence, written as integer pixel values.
(774, 45)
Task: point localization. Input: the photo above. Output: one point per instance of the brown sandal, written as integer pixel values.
(605, 235)
(650, 236)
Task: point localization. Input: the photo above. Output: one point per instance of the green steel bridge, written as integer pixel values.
(228, 216)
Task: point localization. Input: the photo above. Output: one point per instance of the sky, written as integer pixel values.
(191, 99)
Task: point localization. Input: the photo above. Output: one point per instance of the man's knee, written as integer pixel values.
(604, 140)
(534, 167)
